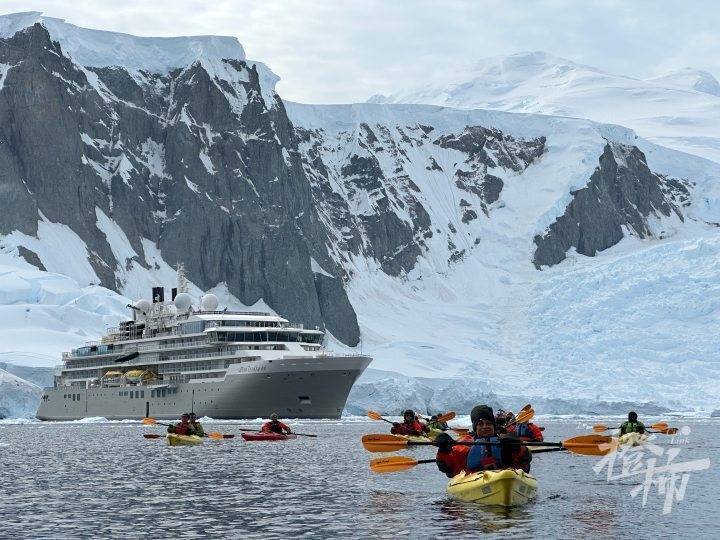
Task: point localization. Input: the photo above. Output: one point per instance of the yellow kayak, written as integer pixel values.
(183, 440)
(508, 487)
(632, 439)
(417, 438)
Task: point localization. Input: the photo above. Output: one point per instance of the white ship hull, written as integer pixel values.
(293, 387)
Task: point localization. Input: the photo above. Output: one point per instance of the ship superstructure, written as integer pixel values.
(173, 358)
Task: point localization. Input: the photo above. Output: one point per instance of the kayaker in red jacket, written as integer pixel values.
(410, 425)
(275, 426)
(183, 428)
(526, 431)
(503, 454)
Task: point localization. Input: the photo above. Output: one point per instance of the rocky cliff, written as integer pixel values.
(201, 162)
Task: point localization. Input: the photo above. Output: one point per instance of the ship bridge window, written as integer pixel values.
(262, 336)
(194, 327)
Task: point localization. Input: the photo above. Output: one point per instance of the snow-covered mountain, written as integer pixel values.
(680, 110)
(518, 254)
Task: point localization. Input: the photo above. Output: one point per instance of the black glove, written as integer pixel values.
(442, 466)
(444, 442)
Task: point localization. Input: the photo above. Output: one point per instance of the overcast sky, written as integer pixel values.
(338, 51)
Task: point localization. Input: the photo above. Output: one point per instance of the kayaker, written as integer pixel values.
(435, 424)
(183, 428)
(451, 458)
(633, 425)
(410, 425)
(501, 421)
(525, 431)
(195, 426)
(506, 454)
(275, 426)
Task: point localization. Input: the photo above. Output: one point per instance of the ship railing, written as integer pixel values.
(230, 312)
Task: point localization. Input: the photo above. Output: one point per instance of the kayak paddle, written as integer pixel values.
(395, 464)
(587, 445)
(660, 426)
(372, 415)
(441, 418)
(152, 436)
(152, 422)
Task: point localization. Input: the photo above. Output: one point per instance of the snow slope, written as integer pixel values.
(43, 314)
(18, 398)
(681, 110)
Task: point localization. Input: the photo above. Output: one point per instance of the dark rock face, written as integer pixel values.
(622, 193)
(204, 169)
(383, 213)
(490, 149)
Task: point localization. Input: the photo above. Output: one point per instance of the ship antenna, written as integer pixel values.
(182, 282)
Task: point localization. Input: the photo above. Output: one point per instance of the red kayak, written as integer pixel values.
(267, 436)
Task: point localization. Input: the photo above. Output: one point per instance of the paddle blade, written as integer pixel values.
(392, 464)
(446, 417)
(526, 408)
(215, 435)
(668, 431)
(461, 430)
(149, 421)
(524, 416)
(590, 445)
(381, 442)
(599, 428)
(372, 415)
(659, 426)
(152, 436)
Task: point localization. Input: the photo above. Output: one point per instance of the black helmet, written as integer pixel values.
(481, 412)
(632, 416)
(274, 416)
(409, 412)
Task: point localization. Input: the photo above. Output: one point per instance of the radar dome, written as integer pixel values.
(143, 305)
(183, 301)
(209, 302)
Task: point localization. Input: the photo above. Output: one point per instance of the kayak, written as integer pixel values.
(632, 439)
(183, 440)
(417, 438)
(265, 436)
(433, 433)
(508, 487)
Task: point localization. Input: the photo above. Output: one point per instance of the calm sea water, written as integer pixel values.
(75, 480)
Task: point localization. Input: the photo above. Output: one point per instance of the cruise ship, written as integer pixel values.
(173, 358)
